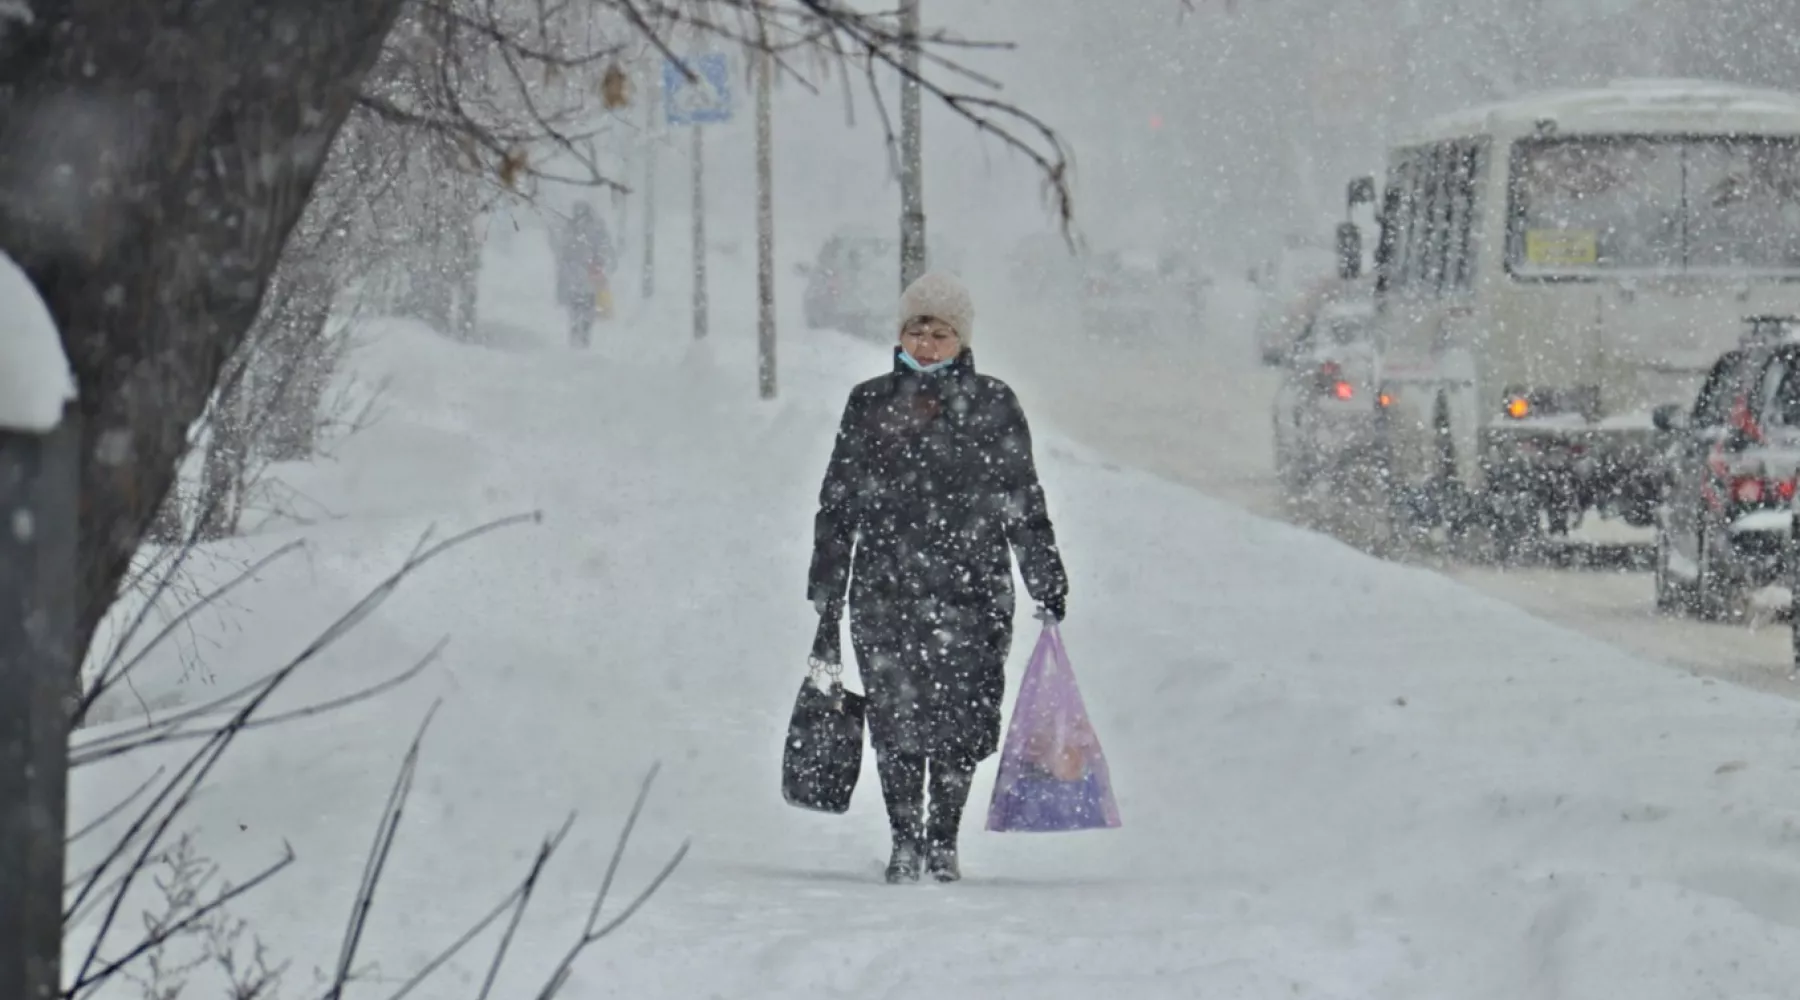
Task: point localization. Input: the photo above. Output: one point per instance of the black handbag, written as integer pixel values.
(824, 749)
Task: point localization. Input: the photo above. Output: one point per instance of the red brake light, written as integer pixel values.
(1784, 488)
(1343, 390)
(1747, 489)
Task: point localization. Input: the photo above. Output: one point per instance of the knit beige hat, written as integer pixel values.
(939, 295)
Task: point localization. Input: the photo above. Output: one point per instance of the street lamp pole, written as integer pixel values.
(912, 178)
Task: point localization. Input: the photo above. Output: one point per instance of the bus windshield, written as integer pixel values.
(1596, 206)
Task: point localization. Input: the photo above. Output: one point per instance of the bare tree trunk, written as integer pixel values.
(38, 668)
(227, 460)
(292, 360)
(155, 157)
(463, 262)
(293, 428)
(168, 528)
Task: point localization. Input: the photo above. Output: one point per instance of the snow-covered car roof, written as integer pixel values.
(1630, 107)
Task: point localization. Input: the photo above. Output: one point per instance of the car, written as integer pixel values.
(854, 282)
(1327, 408)
(1729, 461)
(1289, 289)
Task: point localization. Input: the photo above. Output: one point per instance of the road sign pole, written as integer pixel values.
(699, 233)
(697, 93)
(649, 200)
(765, 228)
(40, 496)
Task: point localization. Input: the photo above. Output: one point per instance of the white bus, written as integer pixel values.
(1549, 270)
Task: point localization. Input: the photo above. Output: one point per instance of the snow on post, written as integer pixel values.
(35, 383)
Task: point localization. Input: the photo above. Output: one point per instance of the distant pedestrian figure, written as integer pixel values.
(930, 491)
(584, 265)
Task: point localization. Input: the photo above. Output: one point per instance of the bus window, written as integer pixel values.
(1405, 216)
(1430, 262)
(1594, 205)
(1461, 266)
(1743, 204)
(1388, 239)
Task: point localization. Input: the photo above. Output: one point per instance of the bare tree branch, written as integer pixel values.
(545, 852)
(385, 832)
(151, 942)
(592, 933)
(115, 810)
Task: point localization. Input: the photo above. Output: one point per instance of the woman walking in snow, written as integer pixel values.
(931, 481)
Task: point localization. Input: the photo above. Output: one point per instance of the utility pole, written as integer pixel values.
(696, 95)
(699, 233)
(650, 107)
(39, 497)
(765, 217)
(912, 177)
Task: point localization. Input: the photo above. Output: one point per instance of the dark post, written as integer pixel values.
(38, 504)
(1793, 568)
(699, 233)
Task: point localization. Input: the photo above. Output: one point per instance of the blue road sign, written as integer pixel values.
(702, 101)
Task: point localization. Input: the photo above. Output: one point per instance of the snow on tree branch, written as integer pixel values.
(35, 382)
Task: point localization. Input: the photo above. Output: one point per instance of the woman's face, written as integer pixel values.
(929, 341)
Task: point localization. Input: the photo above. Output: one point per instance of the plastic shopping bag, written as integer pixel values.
(603, 296)
(1053, 774)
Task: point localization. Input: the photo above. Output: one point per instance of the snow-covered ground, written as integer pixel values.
(1339, 778)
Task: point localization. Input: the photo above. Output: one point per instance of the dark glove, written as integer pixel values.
(827, 646)
(1056, 607)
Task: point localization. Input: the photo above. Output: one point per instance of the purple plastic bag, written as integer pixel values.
(1053, 775)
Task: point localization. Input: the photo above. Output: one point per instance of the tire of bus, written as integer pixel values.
(1446, 487)
(1513, 524)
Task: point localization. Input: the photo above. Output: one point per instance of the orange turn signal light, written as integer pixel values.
(1384, 400)
(1518, 407)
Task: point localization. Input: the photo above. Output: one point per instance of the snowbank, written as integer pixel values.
(1339, 778)
(35, 381)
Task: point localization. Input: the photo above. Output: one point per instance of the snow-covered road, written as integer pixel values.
(1197, 411)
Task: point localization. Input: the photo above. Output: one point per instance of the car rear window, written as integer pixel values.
(1713, 404)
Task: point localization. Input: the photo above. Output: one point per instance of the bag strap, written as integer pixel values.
(833, 671)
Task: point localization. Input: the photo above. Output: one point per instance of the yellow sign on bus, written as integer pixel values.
(1562, 247)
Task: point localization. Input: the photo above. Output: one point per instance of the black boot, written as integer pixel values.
(903, 865)
(941, 862)
(903, 790)
(949, 792)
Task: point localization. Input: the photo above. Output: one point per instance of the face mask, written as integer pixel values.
(913, 363)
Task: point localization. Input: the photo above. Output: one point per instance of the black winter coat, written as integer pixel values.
(931, 481)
